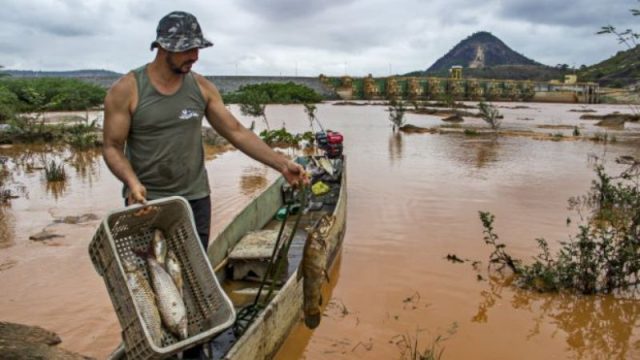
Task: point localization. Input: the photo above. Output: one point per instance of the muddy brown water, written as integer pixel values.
(412, 199)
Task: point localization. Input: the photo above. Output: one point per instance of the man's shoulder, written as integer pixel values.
(201, 79)
(205, 84)
(124, 85)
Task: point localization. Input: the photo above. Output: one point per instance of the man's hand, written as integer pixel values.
(295, 174)
(137, 194)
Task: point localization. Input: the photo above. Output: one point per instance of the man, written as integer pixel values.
(156, 111)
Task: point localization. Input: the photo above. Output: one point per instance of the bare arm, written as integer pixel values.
(118, 105)
(244, 139)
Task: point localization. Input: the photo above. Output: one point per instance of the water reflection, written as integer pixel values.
(596, 327)
(56, 188)
(486, 153)
(253, 178)
(27, 159)
(7, 235)
(296, 344)
(478, 153)
(22, 161)
(395, 146)
(85, 163)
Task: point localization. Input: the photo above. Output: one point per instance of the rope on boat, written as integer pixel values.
(246, 316)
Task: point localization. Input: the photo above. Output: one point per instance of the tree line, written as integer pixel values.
(20, 95)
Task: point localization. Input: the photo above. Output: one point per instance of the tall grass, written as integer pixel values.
(411, 347)
(55, 171)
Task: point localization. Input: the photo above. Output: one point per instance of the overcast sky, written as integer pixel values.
(305, 37)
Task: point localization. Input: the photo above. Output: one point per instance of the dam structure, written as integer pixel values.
(416, 88)
(457, 88)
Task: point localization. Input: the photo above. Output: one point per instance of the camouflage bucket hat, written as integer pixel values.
(179, 31)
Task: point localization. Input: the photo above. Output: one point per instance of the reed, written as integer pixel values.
(55, 171)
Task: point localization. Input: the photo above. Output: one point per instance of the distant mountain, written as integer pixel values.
(480, 50)
(484, 56)
(620, 70)
(93, 73)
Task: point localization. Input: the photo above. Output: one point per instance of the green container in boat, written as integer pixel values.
(281, 214)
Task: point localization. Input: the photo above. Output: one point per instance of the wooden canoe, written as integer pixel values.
(269, 330)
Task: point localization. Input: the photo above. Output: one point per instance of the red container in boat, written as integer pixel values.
(334, 137)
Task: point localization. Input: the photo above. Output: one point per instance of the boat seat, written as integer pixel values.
(249, 259)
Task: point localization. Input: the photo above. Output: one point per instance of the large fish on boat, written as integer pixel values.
(145, 299)
(170, 303)
(313, 270)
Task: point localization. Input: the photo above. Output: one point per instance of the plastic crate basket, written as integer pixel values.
(122, 235)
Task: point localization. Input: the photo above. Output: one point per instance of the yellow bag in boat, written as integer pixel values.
(320, 188)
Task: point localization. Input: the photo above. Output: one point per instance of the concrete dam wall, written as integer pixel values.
(228, 84)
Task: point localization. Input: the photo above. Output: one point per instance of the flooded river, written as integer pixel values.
(412, 200)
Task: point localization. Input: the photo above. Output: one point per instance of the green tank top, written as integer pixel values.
(164, 145)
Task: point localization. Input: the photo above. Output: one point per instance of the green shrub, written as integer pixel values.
(602, 257)
(8, 104)
(274, 93)
(40, 94)
(470, 132)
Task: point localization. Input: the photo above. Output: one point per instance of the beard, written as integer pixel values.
(182, 68)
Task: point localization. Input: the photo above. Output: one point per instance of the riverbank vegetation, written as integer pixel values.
(23, 102)
(46, 94)
(273, 93)
(602, 257)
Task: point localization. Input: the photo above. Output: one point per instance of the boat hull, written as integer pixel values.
(271, 328)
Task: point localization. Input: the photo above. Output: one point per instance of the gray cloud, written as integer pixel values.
(289, 36)
(576, 13)
(287, 10)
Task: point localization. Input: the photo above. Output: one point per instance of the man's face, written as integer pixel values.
(181, 62)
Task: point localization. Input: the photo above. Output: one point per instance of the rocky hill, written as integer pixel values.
(620, 70)
(482, 55)
(480, 50)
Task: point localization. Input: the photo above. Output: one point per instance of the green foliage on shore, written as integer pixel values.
(274, 93)
(46, 94)
(8, 104)
(623, 68)
(603, 257)
(618, 71)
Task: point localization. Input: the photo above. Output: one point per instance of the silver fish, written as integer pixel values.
(175, 271)
(170, 304)
(313, 270)
(159, 246)
(145, 300)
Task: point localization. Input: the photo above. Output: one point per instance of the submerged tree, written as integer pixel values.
(396, 114)
(490, 115)
(254, 104)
